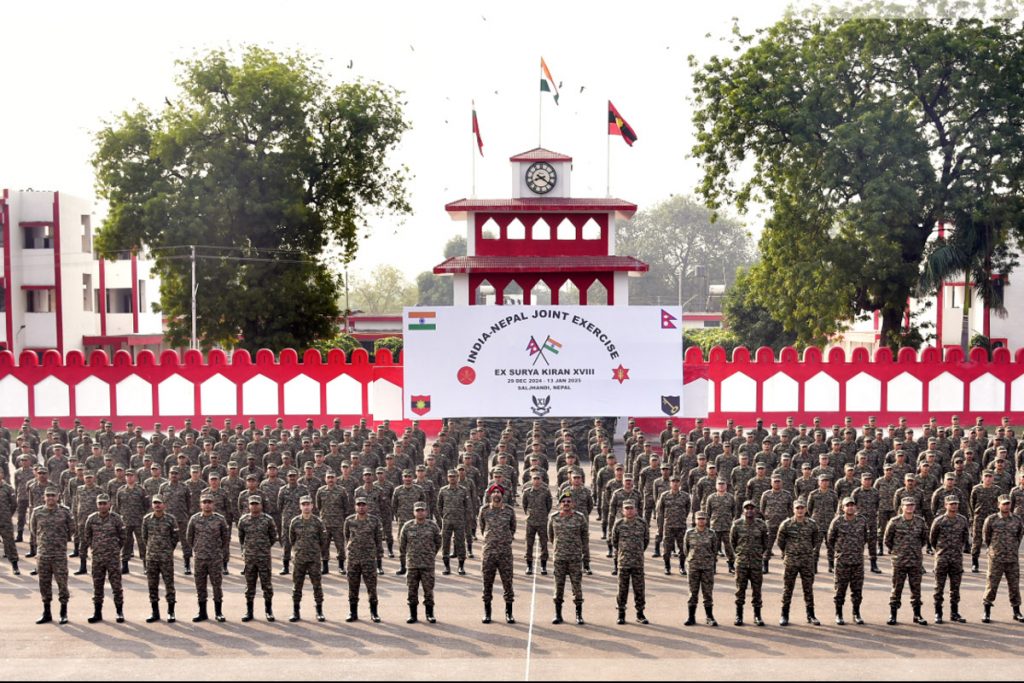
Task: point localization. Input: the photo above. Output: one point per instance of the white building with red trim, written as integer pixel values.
(56, 293)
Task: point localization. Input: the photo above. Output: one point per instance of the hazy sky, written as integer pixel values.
(69, 66)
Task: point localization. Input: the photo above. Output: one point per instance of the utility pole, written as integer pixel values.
(195, 344)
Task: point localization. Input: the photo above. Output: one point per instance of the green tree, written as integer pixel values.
(749, 321)
(438, 290)
(861, 133)
(677, 237)
(392, 344)
(345, 342)
(385, 291)
(258, 158)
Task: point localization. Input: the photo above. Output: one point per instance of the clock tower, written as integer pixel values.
(542, 235)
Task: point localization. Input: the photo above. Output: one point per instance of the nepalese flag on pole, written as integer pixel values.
(618, 126)
(547, 82)
(533, 347)
(476, 131)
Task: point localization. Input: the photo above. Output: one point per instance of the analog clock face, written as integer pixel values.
(541, 177)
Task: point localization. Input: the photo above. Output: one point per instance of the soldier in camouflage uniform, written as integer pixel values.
(905, 536)
(104, 534)
(867, 498)
(419, 541)
(257, 534)
(288, 503)
(949, 536)
(846, 537)
(85, 505)
(454, 509)
(8, 507)
(364, 545)
(131, 503)
(630, 537)
(308, 540)
(159, 538)
(497, 522)
(178, 504)
(53, 528)
(403, 498)
(700, 546)
(775, 506)
(748, 536)
(721, 509)
(983, 505)
(334, 506)
(537, 503)
(1002, 533)
(210, 538)
(887, 485)
(569, 534)
(821, 507)
(671, 511)
(223, 505)
(798, 538)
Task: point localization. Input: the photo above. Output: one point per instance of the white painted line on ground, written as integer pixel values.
(533, 611)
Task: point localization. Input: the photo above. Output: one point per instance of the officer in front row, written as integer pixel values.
(630, 537)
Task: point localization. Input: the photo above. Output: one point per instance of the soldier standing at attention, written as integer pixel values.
(53, 527)
(257, 534)
(288, 503)
(867, 499)
(904, 537)
(570, 536)
(497, 523)
(671, 511)
(308, 540)
(177, 504)
(364, 545)
(700, 546)
(403, 498)
(210, 538)
(1002, 533)
(775, 504)
(983, 505)
(8, 506)
(721, 509)
(751, 542)
(104, 533)
(332, 502)
(454, 511)
(419, 541)
(537, 506)
(886, 486)
(949, 536)
(630, 537)
(132, 503)
(159, 538)
(798, 538)
(846, 537)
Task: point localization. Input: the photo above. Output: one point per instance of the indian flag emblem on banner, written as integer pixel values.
(422, 320)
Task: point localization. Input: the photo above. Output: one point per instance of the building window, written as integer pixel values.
(142, 296)
(86, 234)
(40, 301)
(119, 300)
(951, 296)
(712, 323)
(87, 296)
(39, 238)
(3, 299)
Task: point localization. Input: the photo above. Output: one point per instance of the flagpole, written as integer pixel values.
(540, 110)
(472, 150)
(608, 160)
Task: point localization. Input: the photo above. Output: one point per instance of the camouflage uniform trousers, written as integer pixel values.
(977, 525)
(901, 575)
(805, 570)
(131, 534)
(55, 569)
(574, 570)
(284, 536)
(755, 577)
(186, 549)
(501, 564)
(155, 569)
(944, 567)
(636, 575)
(702, 580)
(420, 577)
(883, 521)
(302, 569)
(458, 531)
(365, 572)
(7, 536)
(997, 569)
(829, 553)
(106, 569)
(872, 541)
(336, 535)
(773, 533)
(541, 533)
(673, 542)
(849, 576)
(258, 568)
(723, 540)
(209, 568)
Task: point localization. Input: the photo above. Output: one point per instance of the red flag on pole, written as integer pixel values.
(618, 126)
(476, 131)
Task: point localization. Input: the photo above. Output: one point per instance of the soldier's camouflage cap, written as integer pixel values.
(305, 499)
(625, 504)
(103, 498)
(848, 467)
(910, 475)
(419, 506)
(760, 466)
(628, 477)
(848, 501)
(799, 503)
(953, 499)
(452, 473)
(887, 466)
(121, 468)
(701, 515)
(776, 477)
(214, 475)
(748, 504)
(380, 470)
(674, 477)
(251, 477)
(158, 499)
(204, 497)
(233, 465)
(908, 501)
(366, 471)
(50, 491)
(421, 468)
(950, 476)
(867, 475)
(90, 473)
(1003, 499)
(620, 466)
(824, 477)
(407, 473)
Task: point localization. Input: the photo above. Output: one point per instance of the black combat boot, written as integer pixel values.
(391, 548)
(856, 613)
(811, 619)
(579, 615)
(341, 567)
(97, 613)
(14, 568)
(509, 619)
(831, 566)
(682, 566)
(657, 549)
(558, 614)
(938, 612)
(586, 568)
(413, 613)
(529, 567)
(287, 567)
(401, 569)
(462, 567)
(353, 611)
(874, 566)
(610, 553)
(839, 615)
(668, 564)
(739, 616)
(732, 567)
(20, 539)
(124, 567)
(154, 605)
(188, 566)
(202, 616)
(469, 549)
(119, 613)
(63, 619)
(32, 550)
(918, 619)
(1017, 616)
(47, 617)
(81, 567)
(764, 566)
(640, 618)
(784, 616)
(954, 613)
(974, 564)
(320, 612)
(892, 615)
(691, 620)
(218, 612)
(74, 552)
(758, 621)
(247, 617)
(543, 567)
(487, 613)
(447, 566)
(615, 567)
(622, 617)
(325, 567)
(296, 611)
(429, 611)
(987, 618)
(268, 607)
(170, 612)
(709, 616)
(374, 617)
(380, 566)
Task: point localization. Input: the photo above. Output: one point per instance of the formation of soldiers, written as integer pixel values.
(708, 494)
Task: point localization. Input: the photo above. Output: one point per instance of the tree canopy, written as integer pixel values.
(438, 290)
(861, 133)
(264, 163)
(385, 290)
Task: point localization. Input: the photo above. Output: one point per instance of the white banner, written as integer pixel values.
(543, 361)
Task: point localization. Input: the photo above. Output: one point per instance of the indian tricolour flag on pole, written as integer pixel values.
(422, 320)
(547, 82)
